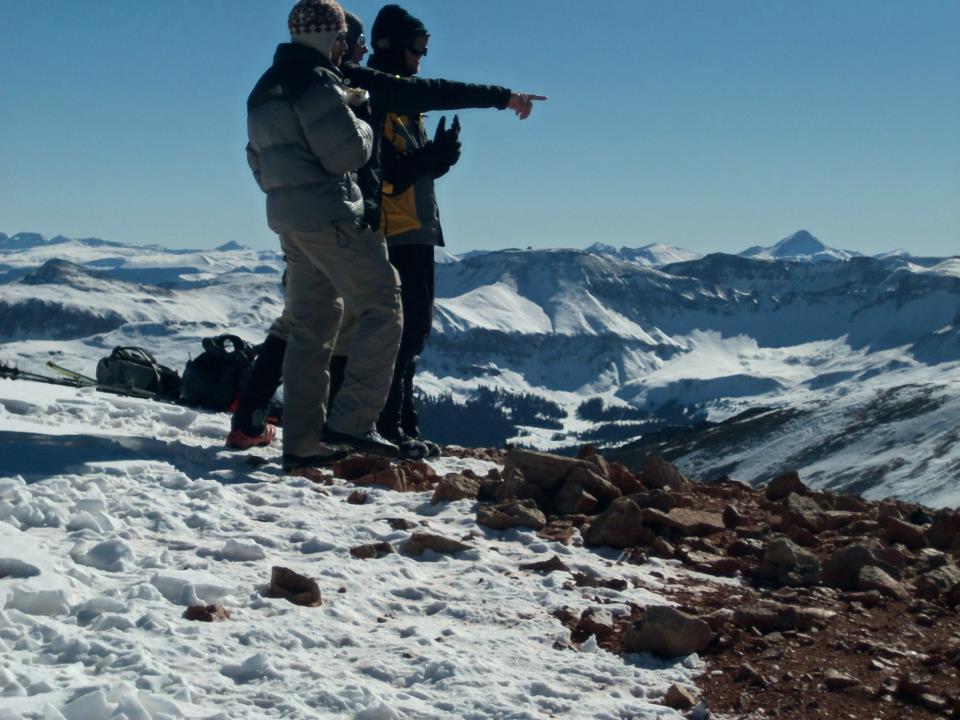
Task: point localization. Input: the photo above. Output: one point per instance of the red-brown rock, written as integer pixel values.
(420, 542)
(573, 499)
(685, 521)
(804, 512)
(453, 487)
(545, 470)
(626, 481)
(554, 564)
(513, 513)
(357, 497)
(297, 588)
(206, 613)
(391, 477)
(732, 517)
(901, 531)
(618, 526)
(371, 551)
(938, 582)
(667, 632)
(560, 531)
(658, 473)
(783, 485)
(599, 487)
(944, 532)
(680, 698)
(357, 465)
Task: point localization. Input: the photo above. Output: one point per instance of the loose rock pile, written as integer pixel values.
(842, 601)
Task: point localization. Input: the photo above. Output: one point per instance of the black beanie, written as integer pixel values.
(394, 29)
(354, 31)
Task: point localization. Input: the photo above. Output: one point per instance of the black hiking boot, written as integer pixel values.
(292, 463)
(369, 442)
(410, 448)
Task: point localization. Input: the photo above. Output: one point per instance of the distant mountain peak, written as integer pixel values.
(232, 245)
(801, 246)
(801, 242)
(63, 272)
(599, 248)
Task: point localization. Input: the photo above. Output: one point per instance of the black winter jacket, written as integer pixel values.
(392, 93)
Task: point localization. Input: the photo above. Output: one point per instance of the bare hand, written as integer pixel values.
(522, 103)
(356, 96)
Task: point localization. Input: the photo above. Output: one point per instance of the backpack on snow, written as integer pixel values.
(134, 368)
(214, 378)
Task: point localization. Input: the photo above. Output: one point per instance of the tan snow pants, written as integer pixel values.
(346, 264)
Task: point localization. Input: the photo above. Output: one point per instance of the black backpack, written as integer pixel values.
(213, 379)
(135, 369)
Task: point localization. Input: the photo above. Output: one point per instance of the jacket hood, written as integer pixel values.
(297, 53)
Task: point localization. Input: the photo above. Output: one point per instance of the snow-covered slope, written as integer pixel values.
(117, 513)
(554, 347)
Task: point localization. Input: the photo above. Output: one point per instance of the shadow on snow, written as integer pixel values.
(36, 456)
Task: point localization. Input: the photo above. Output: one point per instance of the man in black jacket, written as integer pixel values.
(388, 93)
(410, 216)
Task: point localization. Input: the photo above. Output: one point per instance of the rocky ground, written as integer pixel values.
(810, 604)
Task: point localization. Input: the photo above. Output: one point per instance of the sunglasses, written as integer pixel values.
(361, 41)
(418, 53)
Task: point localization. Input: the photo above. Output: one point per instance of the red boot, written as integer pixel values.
(239, 440)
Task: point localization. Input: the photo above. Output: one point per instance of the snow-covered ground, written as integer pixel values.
(116, 513)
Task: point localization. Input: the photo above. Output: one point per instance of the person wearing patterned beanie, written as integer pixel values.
(305, 146)
(388, 92)
(320, 24)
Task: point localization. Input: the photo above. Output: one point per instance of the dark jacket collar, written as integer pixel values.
(302, 54)
(389, 62)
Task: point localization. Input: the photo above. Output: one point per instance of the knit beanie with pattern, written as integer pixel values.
(317, 21)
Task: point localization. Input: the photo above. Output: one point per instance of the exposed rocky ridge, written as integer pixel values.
(823, 604)
(827, 580)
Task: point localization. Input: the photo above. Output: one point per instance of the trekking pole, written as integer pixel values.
(72, 373)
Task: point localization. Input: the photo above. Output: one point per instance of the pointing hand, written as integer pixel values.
(522, 103)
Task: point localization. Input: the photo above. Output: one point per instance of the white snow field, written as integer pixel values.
(116, 513)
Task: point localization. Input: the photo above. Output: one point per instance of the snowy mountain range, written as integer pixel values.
(848, 356)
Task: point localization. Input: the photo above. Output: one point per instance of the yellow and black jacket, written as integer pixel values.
(409, 214)
(391, 92)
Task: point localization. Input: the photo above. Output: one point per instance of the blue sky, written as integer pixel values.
(709, 125)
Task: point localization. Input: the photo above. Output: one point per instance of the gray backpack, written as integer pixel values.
(135, 369)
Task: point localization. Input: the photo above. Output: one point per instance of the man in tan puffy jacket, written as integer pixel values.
(305, 147)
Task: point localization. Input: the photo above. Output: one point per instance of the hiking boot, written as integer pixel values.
(370, 442)
(433, 450)
(410, 448)
(239, 440)
(293, 463)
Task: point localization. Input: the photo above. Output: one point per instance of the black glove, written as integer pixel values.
(446, 146)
